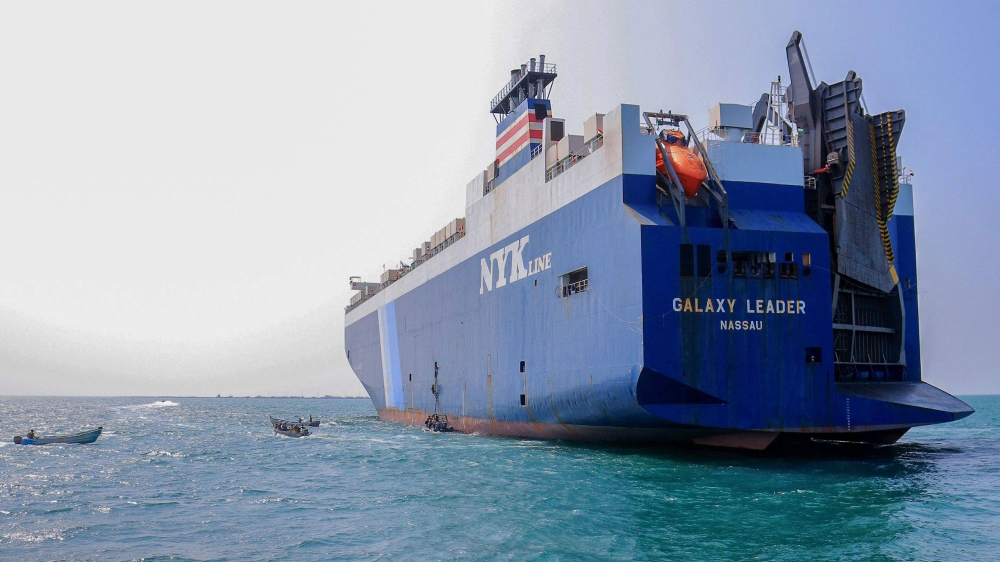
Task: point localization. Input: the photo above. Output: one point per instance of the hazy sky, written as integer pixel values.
(185, 187)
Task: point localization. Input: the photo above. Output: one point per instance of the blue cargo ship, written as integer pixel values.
(750, 283)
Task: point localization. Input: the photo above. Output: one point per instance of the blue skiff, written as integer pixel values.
(82, 437)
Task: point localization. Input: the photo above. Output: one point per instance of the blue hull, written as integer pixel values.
(83, 438)
(665, 342)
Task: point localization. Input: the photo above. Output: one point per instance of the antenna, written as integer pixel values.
(530, 80)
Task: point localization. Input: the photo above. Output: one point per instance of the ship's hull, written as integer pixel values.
(624, 360)
(755, 440)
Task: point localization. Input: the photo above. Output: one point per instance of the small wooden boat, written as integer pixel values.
(288, 429)
(437, 423)
(82, 437)
(292, 431)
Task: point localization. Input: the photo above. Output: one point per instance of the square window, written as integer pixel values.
(789, 270)
(814, 355)
(573, 282)
(556, 130)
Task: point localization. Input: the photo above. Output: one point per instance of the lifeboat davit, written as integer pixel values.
(688, 166)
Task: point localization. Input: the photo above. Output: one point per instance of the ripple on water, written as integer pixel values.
(206, 479)
(31, 537)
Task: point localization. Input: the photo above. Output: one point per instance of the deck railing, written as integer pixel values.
(516, 79)
(571, 160)
(407, 269)
(491, 184)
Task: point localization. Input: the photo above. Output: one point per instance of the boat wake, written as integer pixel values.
(151, 405)
(159, 404)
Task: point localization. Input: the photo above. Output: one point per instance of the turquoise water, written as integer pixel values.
(205, 479)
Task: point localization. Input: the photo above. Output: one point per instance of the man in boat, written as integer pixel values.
(31, 434)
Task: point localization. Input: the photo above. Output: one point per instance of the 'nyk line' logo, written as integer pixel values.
(514, 253)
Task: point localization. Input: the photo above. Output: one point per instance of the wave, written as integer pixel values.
(158, 404)
(164, 454)
(32, 537)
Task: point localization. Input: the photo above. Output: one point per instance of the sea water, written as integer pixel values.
(207, 479)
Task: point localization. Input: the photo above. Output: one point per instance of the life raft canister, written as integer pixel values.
(688, 166)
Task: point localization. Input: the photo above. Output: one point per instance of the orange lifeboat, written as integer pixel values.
(688, 166)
